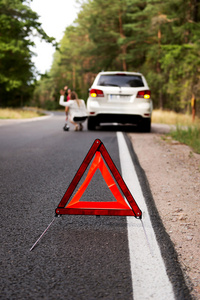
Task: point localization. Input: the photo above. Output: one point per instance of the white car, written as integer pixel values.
(120, 97)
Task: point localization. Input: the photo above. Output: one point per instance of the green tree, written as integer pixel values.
(159, 39)
(17, 22)
(173, 59)
(181, 58)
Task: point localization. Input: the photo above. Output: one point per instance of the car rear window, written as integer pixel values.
(121, 80)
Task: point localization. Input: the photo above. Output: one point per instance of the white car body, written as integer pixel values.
(120, 97)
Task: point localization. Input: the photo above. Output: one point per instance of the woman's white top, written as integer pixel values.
(75, 110)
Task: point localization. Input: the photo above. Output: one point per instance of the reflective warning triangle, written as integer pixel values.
(120, 207)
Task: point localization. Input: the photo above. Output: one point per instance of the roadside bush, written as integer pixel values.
(50, 105)
(189, 136)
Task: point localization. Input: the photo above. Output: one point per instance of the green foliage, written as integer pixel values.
(157, 38)
(181, 63)
(17, 23)
(50, 105)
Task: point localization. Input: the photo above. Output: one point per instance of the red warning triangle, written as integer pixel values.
(120, 207)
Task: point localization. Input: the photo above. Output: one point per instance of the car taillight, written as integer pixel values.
(96, 93)
(144, 94)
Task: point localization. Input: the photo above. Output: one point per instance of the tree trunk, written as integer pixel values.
(123, 47)
(159, 68)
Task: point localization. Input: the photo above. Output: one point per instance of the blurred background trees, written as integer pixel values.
(17, 73)
(160, 39)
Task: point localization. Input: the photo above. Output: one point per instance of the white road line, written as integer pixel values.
(149, 277)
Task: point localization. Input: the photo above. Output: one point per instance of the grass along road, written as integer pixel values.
(18, 113)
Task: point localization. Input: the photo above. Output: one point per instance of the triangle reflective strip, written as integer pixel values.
(85, 184)
(112, 185)
(111, 208)
(79, 173)
(120, 181)
(98, 163)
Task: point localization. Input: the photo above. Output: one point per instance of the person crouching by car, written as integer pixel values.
(75, 108)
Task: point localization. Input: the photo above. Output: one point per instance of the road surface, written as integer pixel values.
(80, 257)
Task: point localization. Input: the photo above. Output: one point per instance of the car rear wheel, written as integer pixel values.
(91, 125)
(145, 125)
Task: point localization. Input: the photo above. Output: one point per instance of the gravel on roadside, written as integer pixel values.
(173, 172)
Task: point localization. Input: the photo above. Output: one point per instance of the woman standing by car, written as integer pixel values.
(68, 97)
(75, 108)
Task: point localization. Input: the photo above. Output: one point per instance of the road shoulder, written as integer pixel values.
(173, 173)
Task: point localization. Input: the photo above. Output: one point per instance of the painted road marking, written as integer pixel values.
(149, 277)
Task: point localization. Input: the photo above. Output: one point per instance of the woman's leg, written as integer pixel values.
(75, 124)
(66, 113)
(80, 126)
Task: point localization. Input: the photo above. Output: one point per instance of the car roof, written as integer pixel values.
(119, 72)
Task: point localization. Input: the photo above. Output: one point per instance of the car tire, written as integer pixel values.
(145, 125)
(91, 125)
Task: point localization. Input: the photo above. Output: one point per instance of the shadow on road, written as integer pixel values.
(155, 128)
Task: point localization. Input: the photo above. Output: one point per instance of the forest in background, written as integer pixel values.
(18, 25)
(160, 39)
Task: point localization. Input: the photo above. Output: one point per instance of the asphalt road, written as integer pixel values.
(80, 257)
